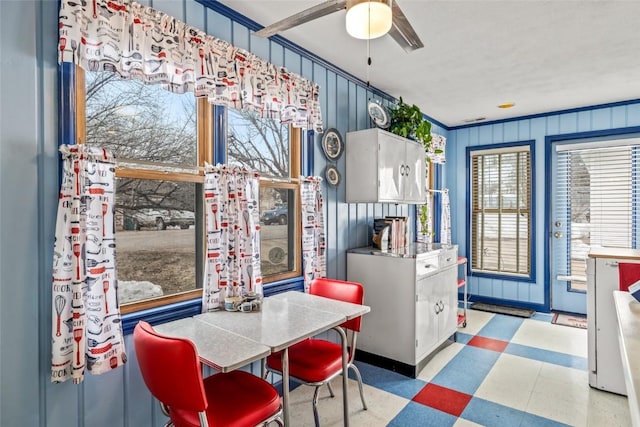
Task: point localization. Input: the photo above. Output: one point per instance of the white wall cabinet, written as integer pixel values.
(384, 167)
(413, 302)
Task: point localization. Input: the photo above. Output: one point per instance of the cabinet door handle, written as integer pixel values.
(436, 309)
(611, 263)
(402, 170)
(408, 169)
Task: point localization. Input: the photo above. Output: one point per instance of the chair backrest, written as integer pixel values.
(170, 368)
(341, 290)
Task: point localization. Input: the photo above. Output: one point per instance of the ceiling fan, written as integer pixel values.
(401, 30)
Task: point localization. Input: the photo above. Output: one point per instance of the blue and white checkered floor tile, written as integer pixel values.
(503, 371)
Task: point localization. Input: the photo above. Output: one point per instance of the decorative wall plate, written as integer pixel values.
(332, 144)
(332, 175)
(379, 114)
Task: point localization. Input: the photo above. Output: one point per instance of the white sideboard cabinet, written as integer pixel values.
(384, 167)
(413, 299)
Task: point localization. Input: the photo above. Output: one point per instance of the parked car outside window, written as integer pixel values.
(277, 215)
(159, 219)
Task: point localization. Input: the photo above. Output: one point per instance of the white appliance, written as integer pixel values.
(605, 362)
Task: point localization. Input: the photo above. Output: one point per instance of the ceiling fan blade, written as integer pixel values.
(306, 15)
(402, 31)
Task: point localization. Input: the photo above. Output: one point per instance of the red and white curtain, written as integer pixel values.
(436, 152)
(232, 267)
(313, 233)
(139, 42)
(86, 324)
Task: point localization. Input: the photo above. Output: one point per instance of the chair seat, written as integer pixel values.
(312, 360)
(236, 399)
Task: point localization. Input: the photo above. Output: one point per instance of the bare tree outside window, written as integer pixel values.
(259, 144)
(264, 145)
(138, 121)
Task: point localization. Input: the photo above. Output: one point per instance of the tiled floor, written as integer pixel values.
(503, 371)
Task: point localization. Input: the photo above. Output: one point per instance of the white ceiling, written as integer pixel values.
(543, 55)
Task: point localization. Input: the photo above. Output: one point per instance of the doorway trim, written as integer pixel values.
(549, 140)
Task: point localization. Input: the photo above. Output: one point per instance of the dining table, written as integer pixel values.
(227, 340)
(222, 350)
(284, 320)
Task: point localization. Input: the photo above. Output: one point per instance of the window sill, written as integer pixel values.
(182, 309)
(503, 276)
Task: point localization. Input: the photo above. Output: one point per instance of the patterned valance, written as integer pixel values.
(139, 42)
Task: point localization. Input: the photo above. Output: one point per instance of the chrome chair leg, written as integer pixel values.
(165, 409)
(315, 406)
(330, 389)
(277, 418)
(359, 378)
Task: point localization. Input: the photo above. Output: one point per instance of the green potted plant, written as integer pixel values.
(409, 122)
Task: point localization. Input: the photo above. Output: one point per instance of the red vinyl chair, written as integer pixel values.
(315, 361)
(171, 370)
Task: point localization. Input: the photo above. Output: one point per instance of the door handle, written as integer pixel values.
(557, 234)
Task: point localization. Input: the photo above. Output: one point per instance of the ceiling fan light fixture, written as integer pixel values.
(368, 19)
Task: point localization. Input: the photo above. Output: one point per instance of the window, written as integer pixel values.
(265, 145)
(159, 142)
(501, 225)
(598, 195)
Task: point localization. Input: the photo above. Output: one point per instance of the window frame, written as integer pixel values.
(204, 144)
(515, 147)
(293, 183)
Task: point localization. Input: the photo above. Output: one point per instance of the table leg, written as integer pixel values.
(285, 387)
(345, 375)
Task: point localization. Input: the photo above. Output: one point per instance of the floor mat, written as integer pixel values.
(503, 309)
(570, 320)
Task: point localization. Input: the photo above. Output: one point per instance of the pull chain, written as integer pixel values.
(368, 60)
(368, 42)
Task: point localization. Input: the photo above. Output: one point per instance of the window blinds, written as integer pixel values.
(598, 194)
(501, 210)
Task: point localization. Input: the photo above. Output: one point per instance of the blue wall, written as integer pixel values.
(28, 200)
(596, 120)
(29, 126)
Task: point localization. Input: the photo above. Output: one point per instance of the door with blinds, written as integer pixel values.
(594, 204)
